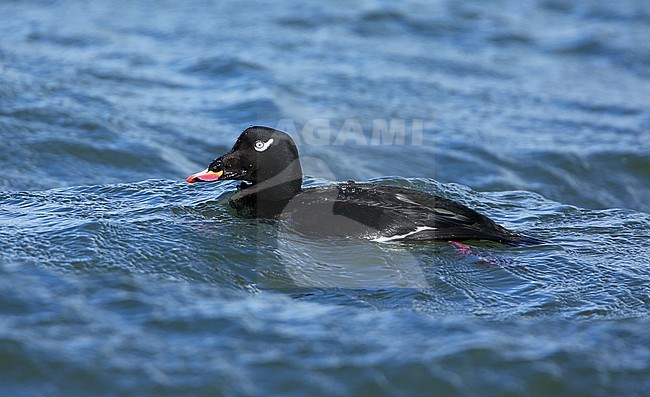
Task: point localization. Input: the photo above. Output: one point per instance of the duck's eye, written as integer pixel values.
(262, 146)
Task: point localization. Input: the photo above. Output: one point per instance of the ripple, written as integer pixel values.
(534, 108)
(224, 66)
(70, 40)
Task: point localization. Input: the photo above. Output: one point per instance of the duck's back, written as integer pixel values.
(387, 213)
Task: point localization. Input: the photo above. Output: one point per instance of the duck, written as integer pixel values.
(267, 164)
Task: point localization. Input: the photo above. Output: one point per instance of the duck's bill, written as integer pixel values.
(204, 176)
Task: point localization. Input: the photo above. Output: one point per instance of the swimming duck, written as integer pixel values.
(266, 160)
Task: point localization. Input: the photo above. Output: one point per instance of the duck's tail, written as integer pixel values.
(518, 240)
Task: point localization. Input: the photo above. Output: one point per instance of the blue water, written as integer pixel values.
(118, 278)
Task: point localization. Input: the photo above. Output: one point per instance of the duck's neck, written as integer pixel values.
(269, 191)
(267, 198)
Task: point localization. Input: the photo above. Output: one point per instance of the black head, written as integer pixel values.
(261, 154)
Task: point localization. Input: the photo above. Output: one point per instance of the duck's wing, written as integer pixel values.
(404, 214)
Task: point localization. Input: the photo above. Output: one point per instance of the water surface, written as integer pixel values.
(118, 278)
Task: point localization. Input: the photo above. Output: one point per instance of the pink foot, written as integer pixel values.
(465, 251)
(462, 248)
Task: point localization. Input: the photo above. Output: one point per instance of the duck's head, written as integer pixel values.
(261, 154)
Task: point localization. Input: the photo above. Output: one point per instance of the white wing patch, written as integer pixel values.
(401, 236)
(262, 146)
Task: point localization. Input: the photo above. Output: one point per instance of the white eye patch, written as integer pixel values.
(262, 146)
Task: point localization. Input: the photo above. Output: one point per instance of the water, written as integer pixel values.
(118, 278)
